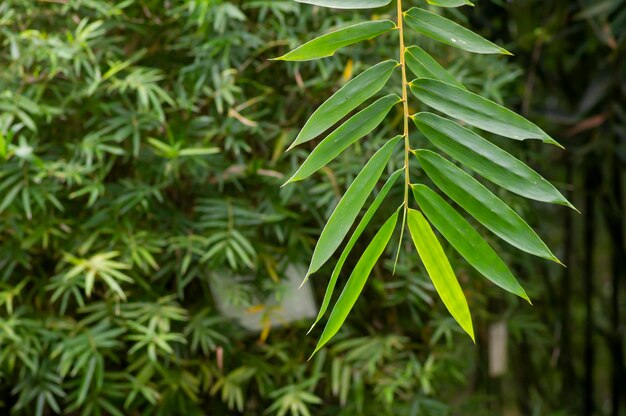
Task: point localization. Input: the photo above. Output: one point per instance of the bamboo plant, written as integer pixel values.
(451, 130)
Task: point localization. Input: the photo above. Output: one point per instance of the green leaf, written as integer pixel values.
(348, 208)
(446, 31)
(356, 281)
(476, 110)
(328, 44)
(347, 4)
(466, 240)
(482, 204)
(349, 97)
(359, 125)
(450, 3)
(439, 270)
(355, 236)
(487, 159)
(425, 66)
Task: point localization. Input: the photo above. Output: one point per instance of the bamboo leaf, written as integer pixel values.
(450, 3)
(359, 125)
(328, 44)
(347, 4)
(482, 204)
(349, 97)
(439, 270)
(425, 66)
(487, 159)
(356, 281)
(476, 110)
(355, 236)
(466, 240)
(348, 208)
(446, 31)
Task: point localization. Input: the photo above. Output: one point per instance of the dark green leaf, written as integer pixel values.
(466, 240)
(347, 4)
(439, 270)
(450, 3)
(425, 66)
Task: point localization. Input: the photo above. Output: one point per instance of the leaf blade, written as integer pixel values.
(466, 240)
(326, 45)
(476, 110)
(482, 204)
(356, 281)
(347, 4)
(348, 208)
(446, 31)
(349, 97)
(425, 66)
(439, 270)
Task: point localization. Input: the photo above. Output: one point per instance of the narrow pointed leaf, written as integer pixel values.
(476, 110)
(349, 97)
(328, 44)
(466, 240)
(482, 204)
(359, 125)
(450, 3)
(348, 208)
(347, 4)
(446, 31)
(353, 239)
(357, 280)
(439, 270)
(425, 66)
(487, 159)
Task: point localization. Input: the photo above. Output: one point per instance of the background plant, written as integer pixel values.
(143, 148)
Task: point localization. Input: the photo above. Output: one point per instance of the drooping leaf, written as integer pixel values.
(349, 132)
(425, 66)
(357, 280)
(347, 4)
(482, 204)
(446, 31)
(349, 97)
(487, 159)
(439, 270)
(450, 3)
(348, 208)
(328, 44)
(353, 239)
(466, 240)
(476, 110)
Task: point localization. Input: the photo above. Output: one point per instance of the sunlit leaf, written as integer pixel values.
(348, 208)
(439, 270)
(482, 204)
(328, 44)
(466, 240)
(450, 3)
(349, 97)
(357, 280)
(476, 110)
(446, 31)
(353, 239)
(347, 4)
(487, 159)
(359, 125)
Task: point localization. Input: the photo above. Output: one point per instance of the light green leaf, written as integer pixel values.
(348, 208)
(450, 3)
(482, 204)
(349, 97)
(487, 159)
(439, 270)
(466, 240)
(349, 132)
(425, 66)
(347, 4)
(446, 31)
(328, 44)
(356, 281)
(355, 236)
(476, 110)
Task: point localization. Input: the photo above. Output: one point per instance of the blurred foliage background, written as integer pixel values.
(142, 147)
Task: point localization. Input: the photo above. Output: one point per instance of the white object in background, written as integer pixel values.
(498, 334)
